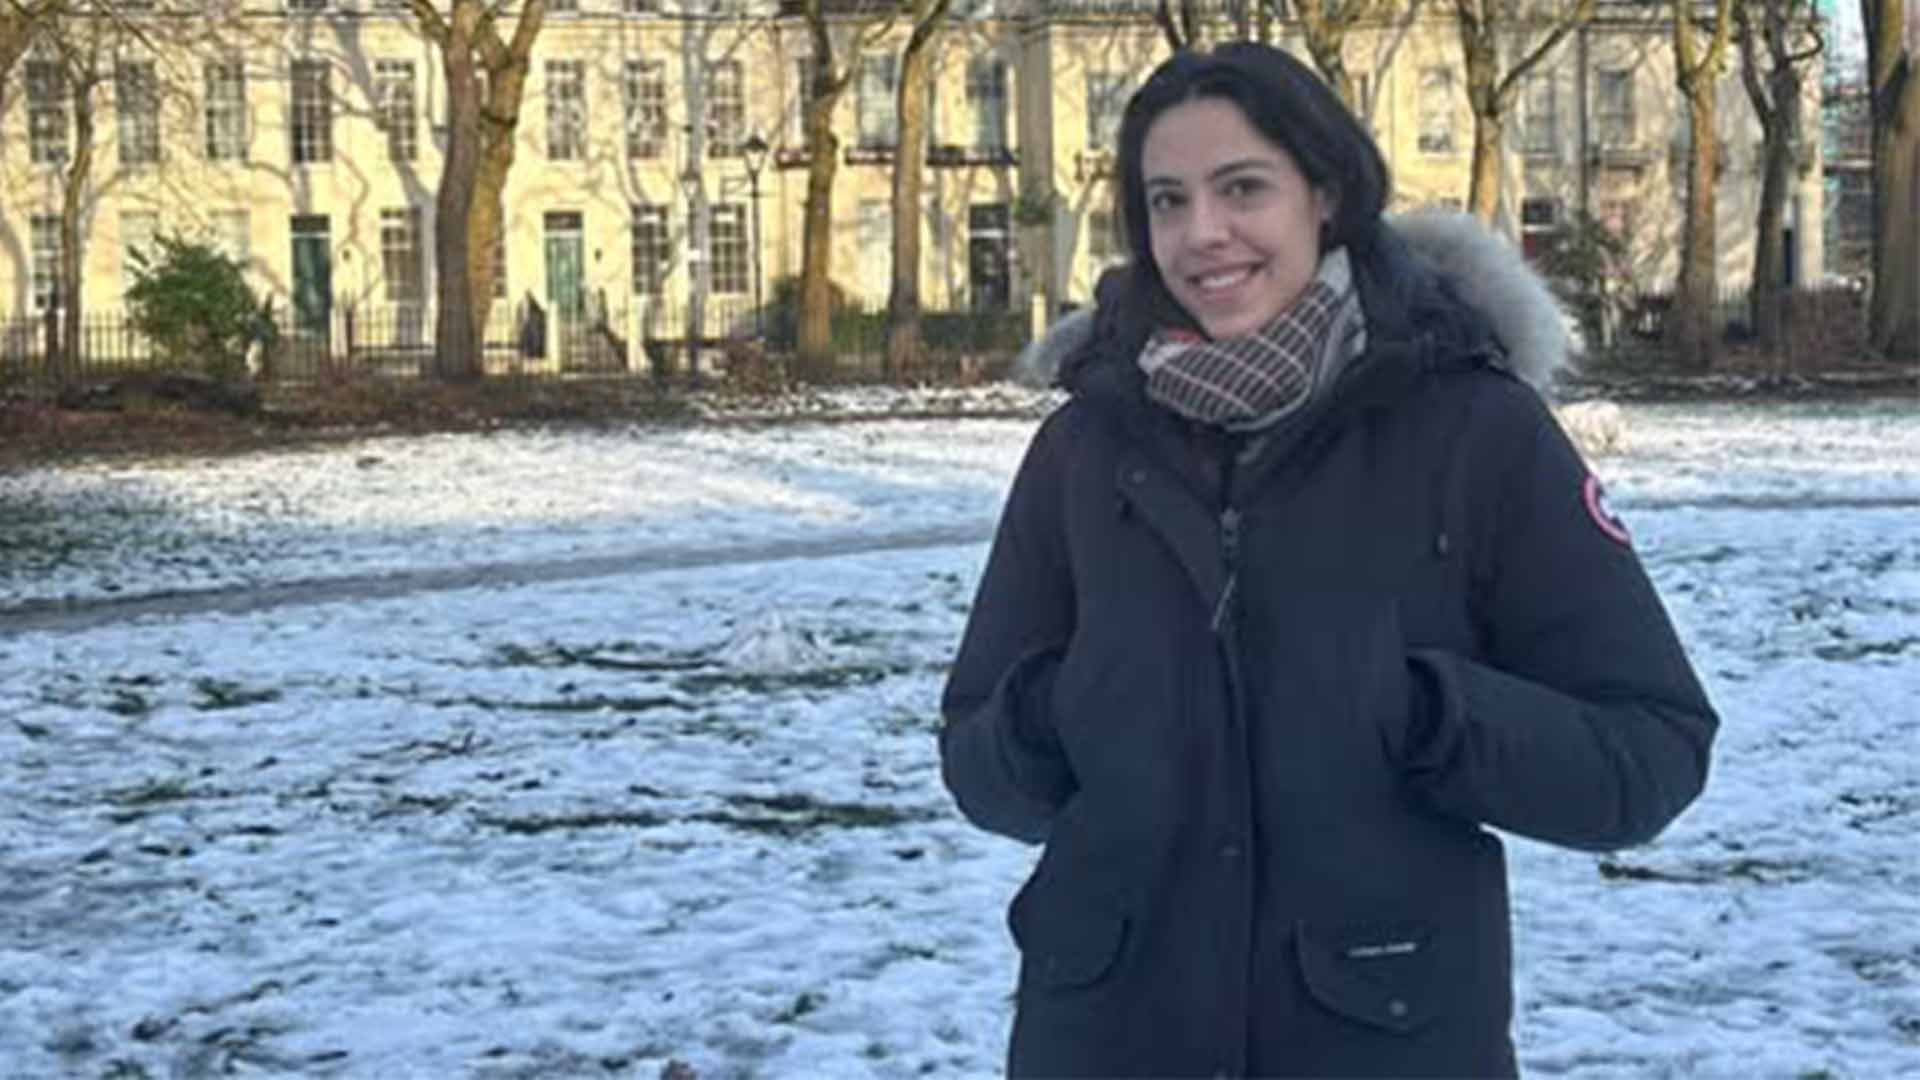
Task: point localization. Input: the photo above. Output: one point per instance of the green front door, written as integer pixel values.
(312, 274)
(566, 265)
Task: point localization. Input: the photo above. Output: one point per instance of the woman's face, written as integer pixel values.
(1235, 227)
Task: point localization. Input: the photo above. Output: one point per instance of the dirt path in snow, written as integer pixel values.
(67, 616)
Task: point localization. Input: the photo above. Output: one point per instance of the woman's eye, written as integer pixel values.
(1242, 188)
(1162, 201)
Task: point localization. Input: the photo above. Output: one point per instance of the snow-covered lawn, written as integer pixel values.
(586, 827)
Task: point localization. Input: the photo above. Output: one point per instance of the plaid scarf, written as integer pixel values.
(1256, 381)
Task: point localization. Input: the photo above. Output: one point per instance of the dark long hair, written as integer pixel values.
(1293, 108)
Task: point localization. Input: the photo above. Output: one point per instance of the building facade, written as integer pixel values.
(306, 139)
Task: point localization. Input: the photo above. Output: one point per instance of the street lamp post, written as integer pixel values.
(754, 150)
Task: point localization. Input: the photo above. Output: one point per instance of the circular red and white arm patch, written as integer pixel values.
(1594, 495)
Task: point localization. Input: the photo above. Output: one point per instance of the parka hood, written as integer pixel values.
(1483, 269)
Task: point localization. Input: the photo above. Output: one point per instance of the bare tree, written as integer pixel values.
(19, 21)
(486, 84)
(831, 73)
(1697, 67)
(1324, 27)
(1785, 30)
(1179, 22)
(909, 176)
(1486, 27)
(1893, 73)
(75, 42)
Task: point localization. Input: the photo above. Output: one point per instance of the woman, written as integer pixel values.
(1300, 594)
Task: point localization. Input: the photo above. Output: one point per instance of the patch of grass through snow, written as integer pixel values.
(555, 655)
(766, 682)
(1703, 872)
(776, 815)
(225, 694)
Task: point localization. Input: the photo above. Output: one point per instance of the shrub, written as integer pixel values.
(1586, 265)
(194, 303)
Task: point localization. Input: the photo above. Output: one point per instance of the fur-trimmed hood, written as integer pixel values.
(1484, 269)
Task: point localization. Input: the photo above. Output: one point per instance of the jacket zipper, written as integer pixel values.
(1230, 553)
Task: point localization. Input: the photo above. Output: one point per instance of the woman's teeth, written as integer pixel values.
(1224, 279)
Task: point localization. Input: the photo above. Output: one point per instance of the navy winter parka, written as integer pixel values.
(1264, 709)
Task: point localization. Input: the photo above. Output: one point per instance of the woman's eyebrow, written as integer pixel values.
(1238, 165)
(1261, 164)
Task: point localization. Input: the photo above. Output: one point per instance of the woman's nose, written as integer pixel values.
(1206, 222)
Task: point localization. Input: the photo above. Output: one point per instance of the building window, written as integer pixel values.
(1540, 116)
(645, 98)
(46, 260)
(873, 237)
(1539, 220)
(878, 127)
(136, 92)
(312, 126)
(46, 112)
(727, 243)
(402, 262)
(987, 99)
(566, 110)
(563, 6)
(989, 265)
(396, 107)
(1613, 120)
(226, 89)
(1436, 111)
(1362, 96)
(649, 249)
(306, 5)
(1106, 102)
(640, 7)
(137, 230)
(233, 235)
(726, 109)
(804, 95)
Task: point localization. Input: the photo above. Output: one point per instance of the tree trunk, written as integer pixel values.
(1489, 148)
(816, 246)
(909, 176)
(1767, 297)
(1690, 321)
(1893, 319)
(73, 209)
(456, 346)
(483, 119)
(816, 255)
(1893, 64)
(1482, 59)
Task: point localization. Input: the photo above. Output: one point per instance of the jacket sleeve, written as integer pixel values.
(999, 754)
(1586, 726)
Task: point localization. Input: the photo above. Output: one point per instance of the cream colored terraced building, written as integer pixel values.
(306, 139)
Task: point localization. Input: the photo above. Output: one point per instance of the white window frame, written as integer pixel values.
(566, 93)
(396, 104)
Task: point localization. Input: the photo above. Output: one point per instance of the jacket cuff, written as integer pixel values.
(1429, 699)
(1030, 743)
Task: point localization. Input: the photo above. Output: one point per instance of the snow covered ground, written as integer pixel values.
(591, 825)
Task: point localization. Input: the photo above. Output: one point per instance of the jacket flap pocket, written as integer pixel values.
(1379, 974)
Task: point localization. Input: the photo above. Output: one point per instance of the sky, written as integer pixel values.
(677, 798)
